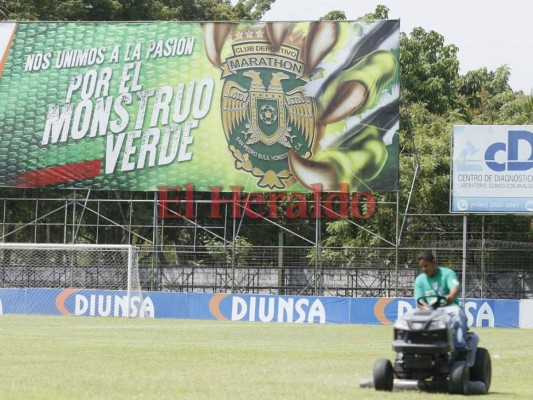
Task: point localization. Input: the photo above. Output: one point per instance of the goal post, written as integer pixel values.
(73, 266)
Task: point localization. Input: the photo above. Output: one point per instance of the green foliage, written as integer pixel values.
(133, 10)
(381, 12)
(430, 70)
(252, 9)
(335, 15)
(432, 134)
(227, 254)
(487, 98)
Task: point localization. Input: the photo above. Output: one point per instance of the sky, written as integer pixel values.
(488, 33)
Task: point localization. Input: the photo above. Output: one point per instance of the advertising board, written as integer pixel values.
(492, 169)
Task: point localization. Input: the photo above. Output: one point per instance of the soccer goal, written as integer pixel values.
(72, 266)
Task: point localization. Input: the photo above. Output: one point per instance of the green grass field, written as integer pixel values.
(112, 358)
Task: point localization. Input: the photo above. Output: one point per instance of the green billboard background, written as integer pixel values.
(139, 106)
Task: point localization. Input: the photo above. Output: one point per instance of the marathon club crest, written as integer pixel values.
(265, 112)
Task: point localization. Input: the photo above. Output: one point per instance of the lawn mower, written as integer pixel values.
(426, 358)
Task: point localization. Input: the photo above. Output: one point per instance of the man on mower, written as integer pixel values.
(442, 281)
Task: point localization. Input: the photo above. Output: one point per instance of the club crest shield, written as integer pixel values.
(268, 120)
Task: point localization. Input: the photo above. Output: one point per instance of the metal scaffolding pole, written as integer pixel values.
(396, 250)
(463, 287)
(233, 247)
(154, 243)
(318, 254)
(482, 283)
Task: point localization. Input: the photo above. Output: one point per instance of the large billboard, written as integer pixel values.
(492, 169)
(262, 106)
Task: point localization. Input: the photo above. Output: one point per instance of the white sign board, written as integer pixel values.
(492, 169)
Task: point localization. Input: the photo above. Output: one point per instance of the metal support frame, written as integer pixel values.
(303, 277)
(77, 209)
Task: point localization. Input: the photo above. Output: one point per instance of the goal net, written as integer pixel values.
(75, 266)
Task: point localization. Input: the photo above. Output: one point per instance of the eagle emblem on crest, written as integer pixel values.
(269, 120)
(277, 110)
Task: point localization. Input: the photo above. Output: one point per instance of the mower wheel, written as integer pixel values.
(482, 368)
(459, 378)
(383, 375)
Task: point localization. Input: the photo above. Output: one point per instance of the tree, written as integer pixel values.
(487, 98)
(133, 10)
(381, 12)
(334, 15)
(252, 9)
(430, 70)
